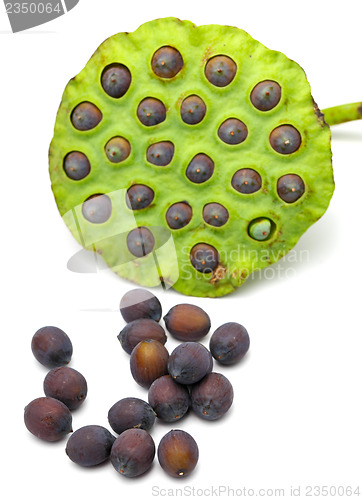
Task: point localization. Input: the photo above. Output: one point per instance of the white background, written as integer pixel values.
(297, 413)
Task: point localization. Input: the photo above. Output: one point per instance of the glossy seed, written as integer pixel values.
(148, 361)
(115, 80)
(261, 229)
(246, 181)
(117, 149)
(200, 169)
(285, 139)
(160, 153)
(229, 343)
(220, 70)
(266, 95)
(151, 112)
(86, 116)
(139, 196)
(138, 330)
(51, 346)
(193, 110)
(233, 131)
(215, 214)
(189, 362)
(178, 453)
(97, 208)
(179, 215)
(140, 241)
(76, 165)
(167, 62)
(204, 257)
(290, 187)
(187, 322)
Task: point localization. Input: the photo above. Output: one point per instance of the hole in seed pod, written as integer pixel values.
(139, 196)
(160, 153)
(233, 131)
(167, 62)
(193, 110)
(266, 95)
(76, 165)
(204, 257)
(220, 70)
(290, 187)
(246, 181)
(86, 116)
(200, 169)
(285, 139)
(97, 208)
(215, 214)
(140, 241)
(261, 229)
(151, 111)
(115, 80)
(117, 149)
(179, 215)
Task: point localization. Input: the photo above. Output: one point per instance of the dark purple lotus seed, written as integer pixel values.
(233, 131)
(138, 330)
(90, 445)
(167, 62)
(179, 215)
(212, 397)
(76, 165)
(193, 110)
(220, 70)
(204, 258)
(140, 241)
(86, 116)
(160, 153)
(140, 303)
(200, 169)
(266, 95)
(189, 362)
(151, 112)
(139, 196)
(169, 399)
(246, 181)
(131, 413)
(116, 79)
(133, 452)
(117, 149)
(229, 343)
(48, 419)
(51, 346)
(290, 187)
(215, 214)
(67, 385)
(97, 208)
(285, 139)
(178, 453)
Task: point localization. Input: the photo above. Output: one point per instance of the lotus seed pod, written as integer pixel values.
(189, 156)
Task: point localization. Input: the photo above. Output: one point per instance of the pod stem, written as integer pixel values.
(344, 113)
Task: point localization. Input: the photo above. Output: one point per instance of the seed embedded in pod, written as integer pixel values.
(215, 214)
(97, 208)
(86, 116)
(246, 181)
(117, 149)
(204, 258)
(76, 165)
(290, 187)
(179, 215)
(193, 110)
(200, 168)
(167, 62)
(139, 196)
(151, 111)
(261, 229)
(160, 153)
(266, 95)
(220, 70)
(140, 241)
(285, 139)
(116, 79)
(233, 131)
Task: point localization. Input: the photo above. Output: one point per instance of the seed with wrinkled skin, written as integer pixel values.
(117, 149)
(76, 165)
(90, 445)
(215, 214)
(261, 229)
(204, 258)
(133, 452)
(178, 453)
(86, 116)
(115, 80)
(167, 62)
(160, 153)
(266, 95)
(290, 187)
(131, 413)
(220, 70)
(193, 110)
(138, 330)
(233, 131)
(229, 343)
(48, 419)
(151, 111)
(140, 241)
(139, 196)
(212, 397)
(246, 181)
(148, 361)
(169, 399)
(200, 169)
(187, 322)
(285, 139)
(97, 208)
(179, 215)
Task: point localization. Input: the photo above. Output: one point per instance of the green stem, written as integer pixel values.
(343, 113)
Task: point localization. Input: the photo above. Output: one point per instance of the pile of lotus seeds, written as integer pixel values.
(177, 383)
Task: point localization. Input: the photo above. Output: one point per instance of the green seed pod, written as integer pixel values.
(208, 148)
